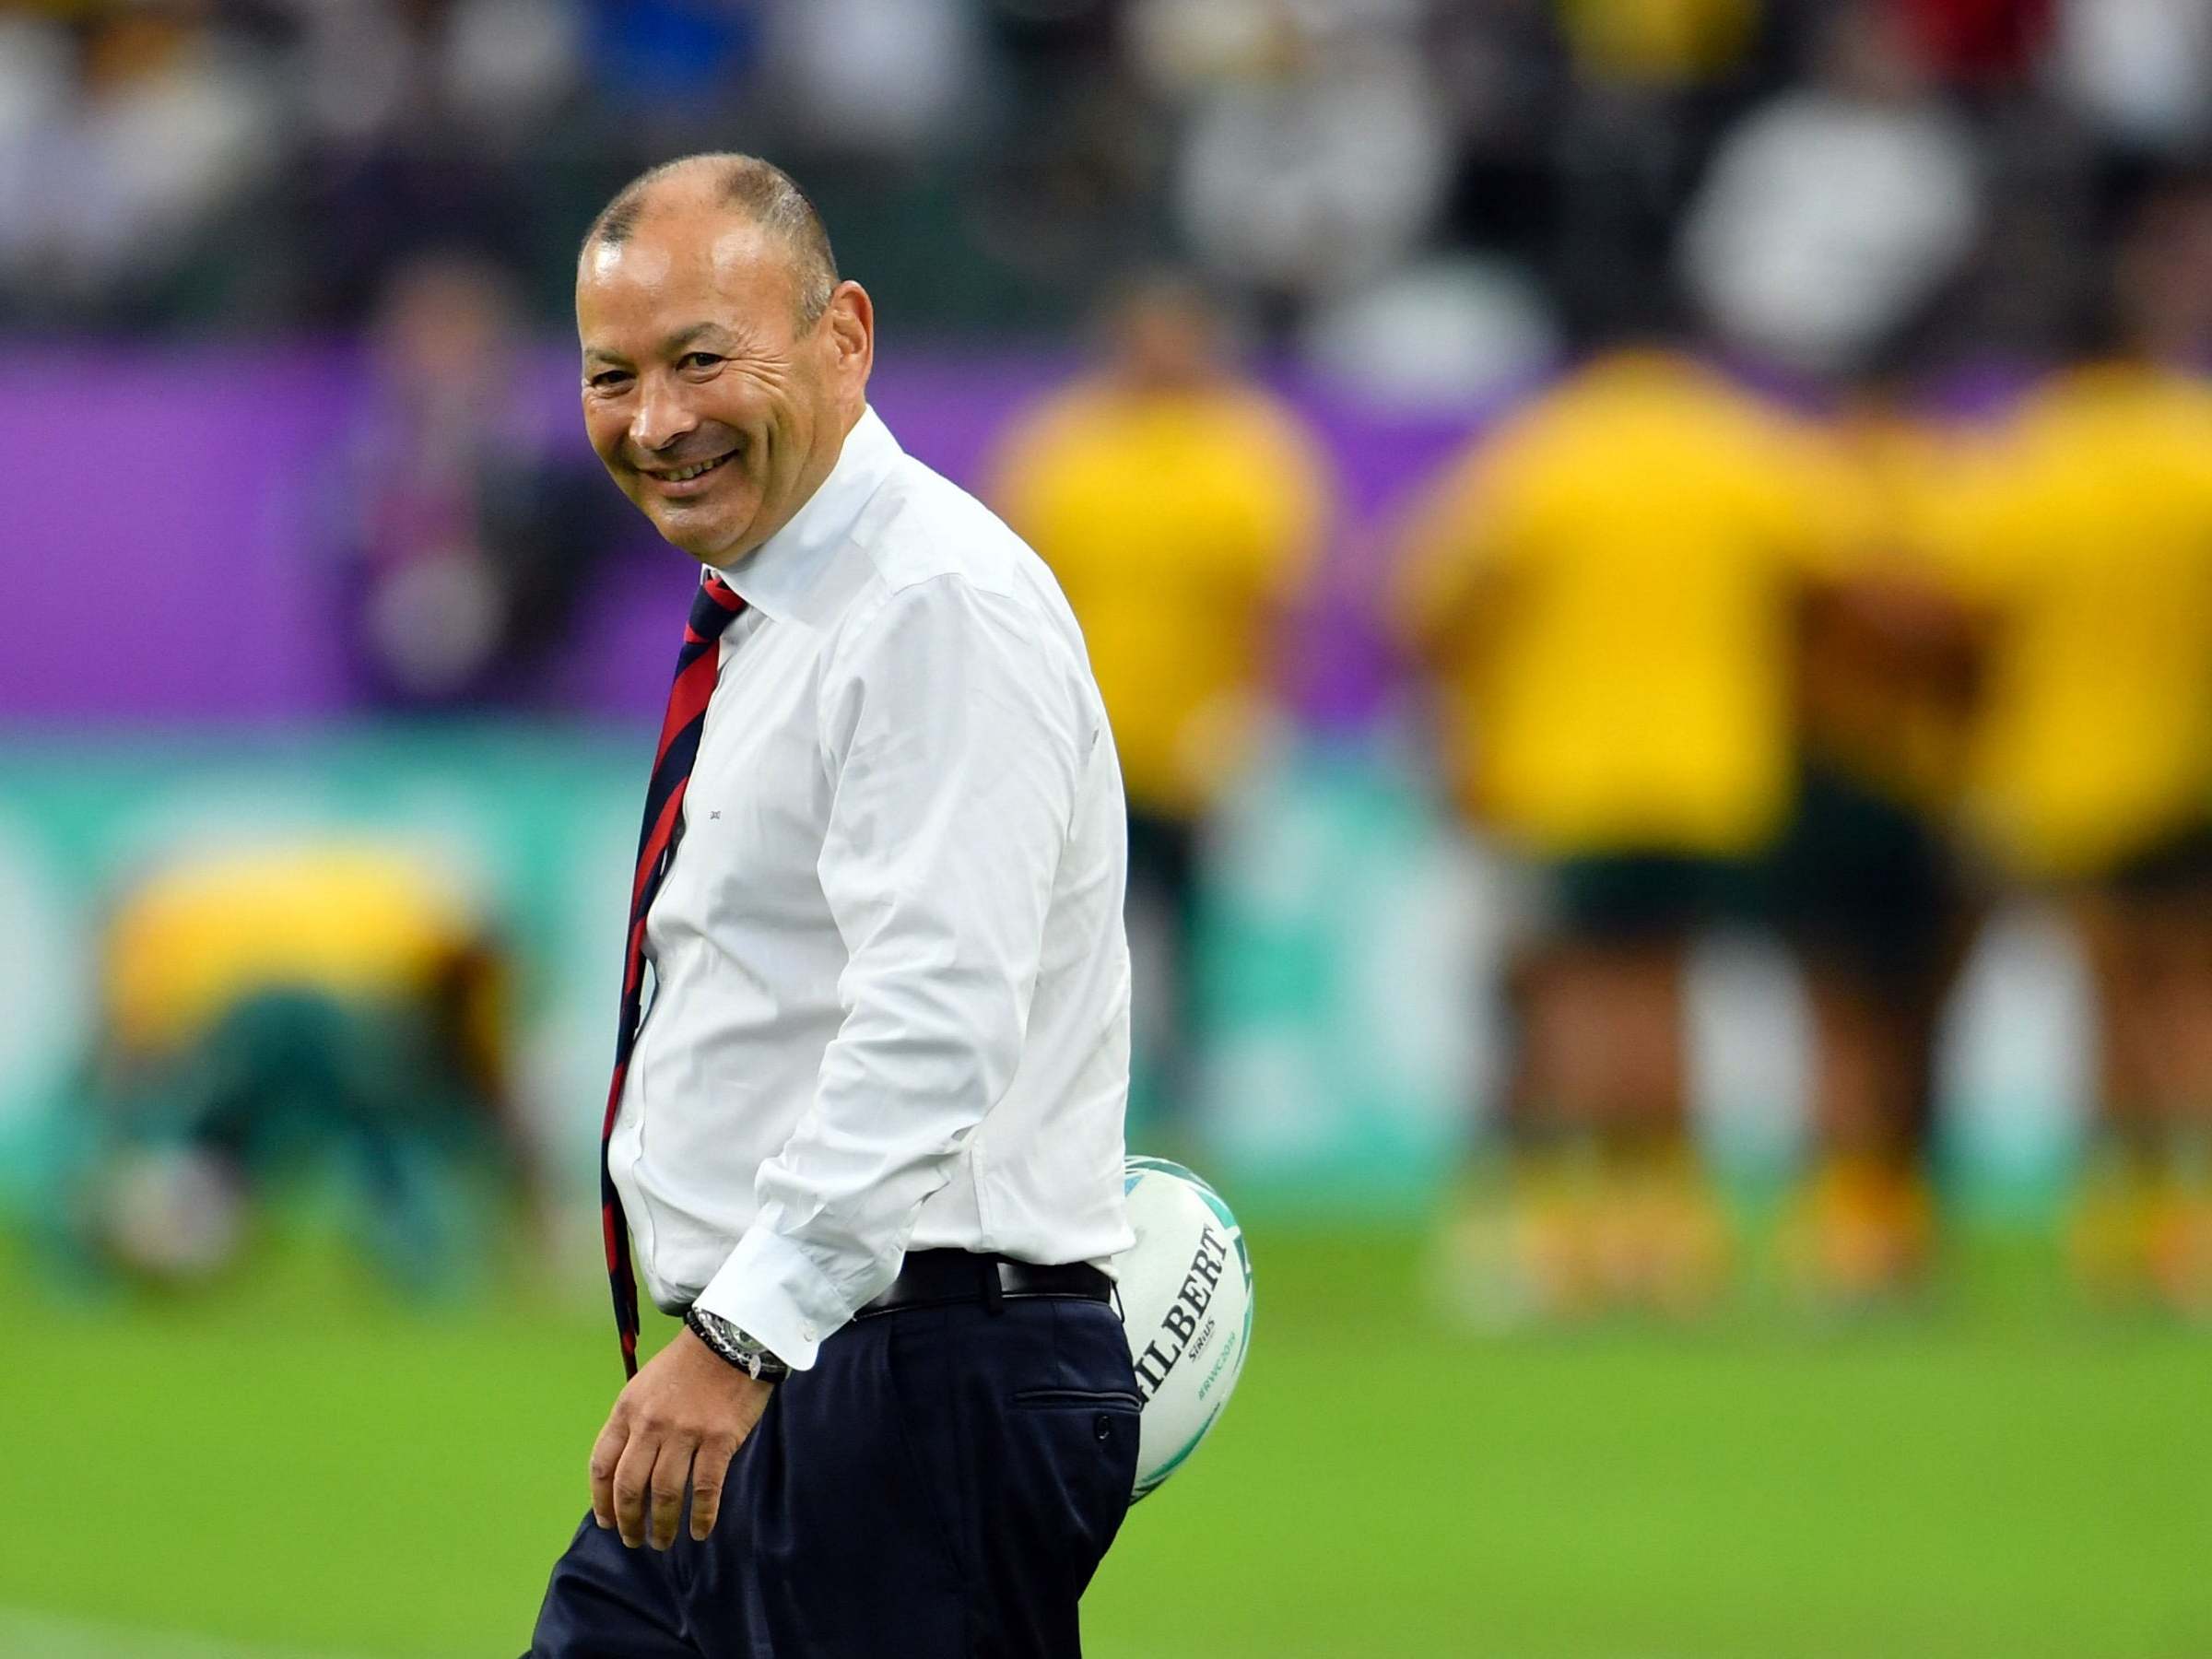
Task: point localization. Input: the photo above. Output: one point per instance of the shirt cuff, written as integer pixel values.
(772, 1290)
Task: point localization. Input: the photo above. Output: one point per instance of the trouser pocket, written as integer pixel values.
(1105, 1399)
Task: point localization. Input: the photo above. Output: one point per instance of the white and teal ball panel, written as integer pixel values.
(1185, 1294)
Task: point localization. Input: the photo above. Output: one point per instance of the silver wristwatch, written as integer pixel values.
(732, 1345)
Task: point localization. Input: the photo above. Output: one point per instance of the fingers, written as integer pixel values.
(710, 1469)
(633, 1475)
(671, 1432)
(671, 1475)
(606, 1452)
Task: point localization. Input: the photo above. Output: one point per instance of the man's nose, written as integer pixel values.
(662, 416)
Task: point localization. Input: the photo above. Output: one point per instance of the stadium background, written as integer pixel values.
(1408, 205)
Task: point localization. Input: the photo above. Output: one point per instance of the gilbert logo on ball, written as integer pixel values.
(1185, 1294)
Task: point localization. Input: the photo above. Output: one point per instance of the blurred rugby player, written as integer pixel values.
(309, 1008)
(1871, 887)
(1604, 593)
(1183, 507)
(2087, 540)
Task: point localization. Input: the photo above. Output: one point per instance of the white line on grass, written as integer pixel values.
(49, 1636)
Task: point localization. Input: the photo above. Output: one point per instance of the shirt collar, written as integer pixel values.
(777, 575)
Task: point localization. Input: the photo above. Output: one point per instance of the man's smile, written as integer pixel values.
(688, 479)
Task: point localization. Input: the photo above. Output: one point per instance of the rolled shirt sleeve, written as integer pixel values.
(954, 735)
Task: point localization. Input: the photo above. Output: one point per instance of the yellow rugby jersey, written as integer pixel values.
(186, 945)
(1891, 708)
(1181, 526)
(1607, 593)
(2086, 530)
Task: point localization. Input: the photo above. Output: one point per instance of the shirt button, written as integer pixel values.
(807, 1331)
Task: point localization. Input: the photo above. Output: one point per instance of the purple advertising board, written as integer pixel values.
(161, 559)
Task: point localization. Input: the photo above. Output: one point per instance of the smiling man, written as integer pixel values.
(865, 1132)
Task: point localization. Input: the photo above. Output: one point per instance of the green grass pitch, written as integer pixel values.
(295, 1469)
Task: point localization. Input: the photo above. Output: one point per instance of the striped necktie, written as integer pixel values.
(697, 667)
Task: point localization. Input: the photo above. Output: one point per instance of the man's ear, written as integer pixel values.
(852, 323)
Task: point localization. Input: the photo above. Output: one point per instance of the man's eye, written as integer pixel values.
(609, 380)
(698, 360)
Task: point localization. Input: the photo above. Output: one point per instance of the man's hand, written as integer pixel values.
(679, 1422)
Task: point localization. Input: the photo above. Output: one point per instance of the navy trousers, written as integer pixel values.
(941, 1485)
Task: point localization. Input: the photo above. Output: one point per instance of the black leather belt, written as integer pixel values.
(936, 1279)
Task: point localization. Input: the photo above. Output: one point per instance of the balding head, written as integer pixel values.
(723, 359)
(759, 191)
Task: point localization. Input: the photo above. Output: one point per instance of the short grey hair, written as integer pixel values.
(762, 191)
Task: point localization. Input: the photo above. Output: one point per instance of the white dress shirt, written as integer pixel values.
(891, 988)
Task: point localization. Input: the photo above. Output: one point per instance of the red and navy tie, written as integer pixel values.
(697, 667)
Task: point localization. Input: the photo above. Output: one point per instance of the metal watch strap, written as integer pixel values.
(734, 1347)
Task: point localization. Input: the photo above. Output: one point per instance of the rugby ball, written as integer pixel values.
(1185, 1294)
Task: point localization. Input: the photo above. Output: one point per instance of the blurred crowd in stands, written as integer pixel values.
(1482, 174)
